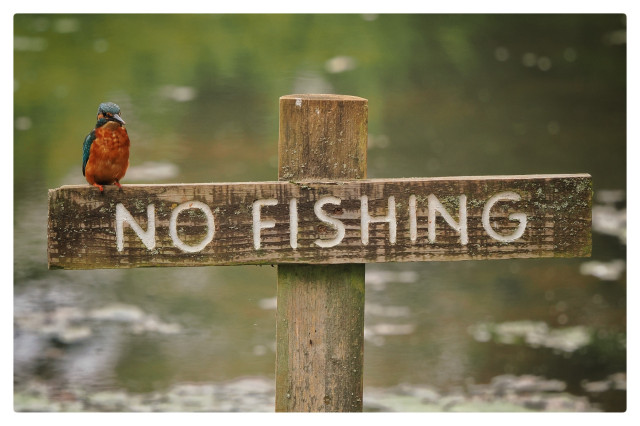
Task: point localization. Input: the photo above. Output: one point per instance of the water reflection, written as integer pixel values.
(448, 95)
(607, 271)
(153, 171)
(534, 334)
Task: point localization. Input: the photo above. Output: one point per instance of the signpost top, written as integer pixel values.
(323, 97)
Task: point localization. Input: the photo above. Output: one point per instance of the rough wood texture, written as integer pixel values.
(320, 340)
(82, 222)
(323, 137)
(320, 315)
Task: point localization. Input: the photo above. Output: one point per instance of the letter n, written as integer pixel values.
(436, 207)
(148, 237)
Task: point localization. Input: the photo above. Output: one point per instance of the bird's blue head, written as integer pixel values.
(108, 111)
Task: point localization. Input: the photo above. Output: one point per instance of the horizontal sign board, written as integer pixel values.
(360, 221)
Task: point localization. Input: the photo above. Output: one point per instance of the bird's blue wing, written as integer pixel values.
(86, 149)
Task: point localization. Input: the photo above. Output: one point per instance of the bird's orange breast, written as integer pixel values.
(109, 155)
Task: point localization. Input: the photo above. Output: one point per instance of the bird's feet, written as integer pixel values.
(116, 183)
(99, 187)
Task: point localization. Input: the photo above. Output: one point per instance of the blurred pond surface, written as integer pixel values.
(448, 95)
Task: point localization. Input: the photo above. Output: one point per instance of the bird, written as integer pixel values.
(105, 151)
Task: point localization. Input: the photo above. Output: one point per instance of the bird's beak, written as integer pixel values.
(118, 118)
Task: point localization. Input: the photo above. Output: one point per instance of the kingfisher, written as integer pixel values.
(105, 152)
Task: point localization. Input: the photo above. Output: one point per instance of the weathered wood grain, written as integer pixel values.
(320, 338)
(82, 222)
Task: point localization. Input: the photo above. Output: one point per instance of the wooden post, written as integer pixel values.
(320, 315)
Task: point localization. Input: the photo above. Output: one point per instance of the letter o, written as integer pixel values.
(173, 226)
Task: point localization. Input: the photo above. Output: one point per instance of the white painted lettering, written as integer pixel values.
(520, 217)
(173, 226)
(335, 223)
(258, 223)
(434, 207)
(148, 237)
(461, 226)
(366, 219)
(293, 223)
(413, 220)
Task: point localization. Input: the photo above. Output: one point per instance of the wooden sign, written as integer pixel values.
(320, 222)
